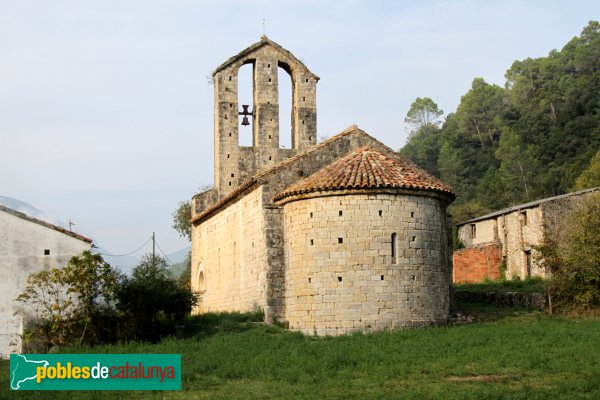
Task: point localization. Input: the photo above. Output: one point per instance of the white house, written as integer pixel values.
(27, 245)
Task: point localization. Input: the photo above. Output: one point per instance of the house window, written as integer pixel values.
(47, 252)
(523, 218)
(473, 231)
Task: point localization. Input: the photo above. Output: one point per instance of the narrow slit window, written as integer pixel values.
(380, 213)
(524, 218)
(393, 244)
(312, 242)
(341, 213)
(473, 231)
(412, 214)
(382, 277)
(339, 278)
(311, 215)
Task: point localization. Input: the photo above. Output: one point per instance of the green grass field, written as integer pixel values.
(512, 355)
(530, 285)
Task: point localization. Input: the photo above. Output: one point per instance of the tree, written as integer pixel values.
(572, 252)
(516, 167)
(92, 281)
(152, 299)
(590, 177)
(50, 311)
(423, 114)
(182, 217)
(65, 300)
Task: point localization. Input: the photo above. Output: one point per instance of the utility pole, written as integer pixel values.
(153, 247)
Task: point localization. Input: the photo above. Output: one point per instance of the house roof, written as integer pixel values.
(365, 168)
(263, 175)
(44, 223)
(527, 205)
(264, 41)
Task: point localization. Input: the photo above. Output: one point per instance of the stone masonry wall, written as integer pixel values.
(234, 164)
(341, 275)
(519, 232)
(475, 264)
(229, 251)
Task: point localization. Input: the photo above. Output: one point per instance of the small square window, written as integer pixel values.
(340, 240)
(339, 278)
(382, 277)
(47, 252)
(340, 213)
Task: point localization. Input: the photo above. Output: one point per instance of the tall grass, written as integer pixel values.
(533, 357)
(529, 285)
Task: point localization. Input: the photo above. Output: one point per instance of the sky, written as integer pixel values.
(106, 107)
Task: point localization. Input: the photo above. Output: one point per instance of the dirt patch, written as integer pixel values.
(483, 378)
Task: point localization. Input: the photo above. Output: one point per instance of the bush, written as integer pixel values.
(64, 305)
(572, 252)
(152, 300)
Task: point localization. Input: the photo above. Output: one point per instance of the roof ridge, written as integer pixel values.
(264, 40)
(41, 222)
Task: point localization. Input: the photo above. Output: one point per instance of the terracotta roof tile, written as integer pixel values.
(365, 168)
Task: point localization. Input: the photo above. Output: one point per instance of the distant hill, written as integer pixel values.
(34, 212)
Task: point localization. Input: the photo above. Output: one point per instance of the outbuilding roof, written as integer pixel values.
(365, 168)
(528, 205)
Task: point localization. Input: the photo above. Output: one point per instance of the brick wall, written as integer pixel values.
(475, 264)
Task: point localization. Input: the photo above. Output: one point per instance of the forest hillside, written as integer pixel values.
(536, 137)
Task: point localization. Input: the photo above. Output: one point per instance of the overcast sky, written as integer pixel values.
(106, 110)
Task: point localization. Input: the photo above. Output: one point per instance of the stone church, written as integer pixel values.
(329, 238)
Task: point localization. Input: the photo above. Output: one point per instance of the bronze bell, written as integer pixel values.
(245, 121)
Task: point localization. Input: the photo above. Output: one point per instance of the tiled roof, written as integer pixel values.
(365, 168)
(44, 223)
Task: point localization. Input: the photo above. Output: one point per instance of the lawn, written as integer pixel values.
(513, 355)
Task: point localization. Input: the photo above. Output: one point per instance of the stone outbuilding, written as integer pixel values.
(339, 236)
(28, 245)
(504, 242)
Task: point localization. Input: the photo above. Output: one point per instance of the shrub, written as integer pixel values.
(152, 300)
(572, 252)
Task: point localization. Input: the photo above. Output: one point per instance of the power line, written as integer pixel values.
(123, 255)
